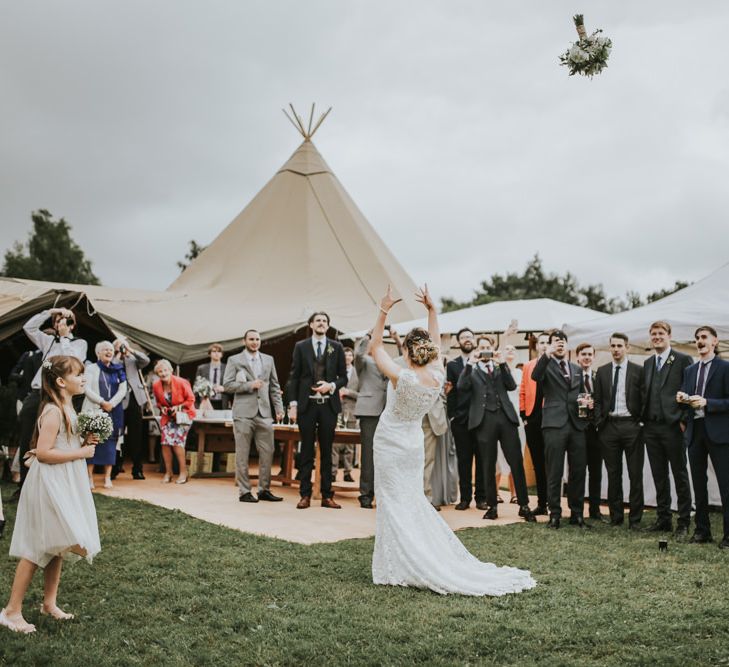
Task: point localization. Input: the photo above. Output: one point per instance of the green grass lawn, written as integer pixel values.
(170, 589)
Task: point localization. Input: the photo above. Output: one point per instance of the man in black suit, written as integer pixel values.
(663, 429)
(492, 419)
(585, 354)
(318, 372)
(705, 391)
(563, 429)
(618, 407)
(465, 440)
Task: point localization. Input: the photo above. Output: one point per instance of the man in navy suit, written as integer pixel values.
(563, 429)
(705, 391)
(318, 372)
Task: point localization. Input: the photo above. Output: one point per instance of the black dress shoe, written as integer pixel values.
(553, 522)
(526, 514)
(701, 538)
(634, 526)
(579, 522)
(463, 505)
(724, 544)
(247, 498)
(660, 527)
(436, 507)
(365, 503)
(491, 513)
(348, 477)
(138, 475)
(2, 528)
(482, 505)
(599, 517)
(616, 522)
(681, 534)
(539, 510)
(267, 495)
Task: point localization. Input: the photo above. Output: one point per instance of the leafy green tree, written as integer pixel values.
(193, 252)
(50, 254)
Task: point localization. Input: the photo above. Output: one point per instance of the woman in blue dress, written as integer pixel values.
(106, 387)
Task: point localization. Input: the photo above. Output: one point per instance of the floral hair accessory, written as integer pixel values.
(47, 365)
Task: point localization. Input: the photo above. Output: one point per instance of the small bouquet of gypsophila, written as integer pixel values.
(203, 388)
(95, 423)
(589, 54)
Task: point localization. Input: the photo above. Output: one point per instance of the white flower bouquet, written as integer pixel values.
(95, 423)
(203, 388)
(589, 54)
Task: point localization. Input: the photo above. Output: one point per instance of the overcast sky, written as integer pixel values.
(454, 129)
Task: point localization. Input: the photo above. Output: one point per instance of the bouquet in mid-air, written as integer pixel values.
(96, 423)
(589, 54)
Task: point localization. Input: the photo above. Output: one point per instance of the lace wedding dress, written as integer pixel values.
(413, 545)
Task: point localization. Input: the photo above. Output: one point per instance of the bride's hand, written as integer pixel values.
(423, 296)
(388, 301)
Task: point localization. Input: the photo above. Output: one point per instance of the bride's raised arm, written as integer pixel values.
(423, 296)
(386, 365)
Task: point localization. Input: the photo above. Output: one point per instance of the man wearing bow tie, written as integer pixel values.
(705, 392)
(318, 372)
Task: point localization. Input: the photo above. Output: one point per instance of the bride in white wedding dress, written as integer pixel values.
(413, 545)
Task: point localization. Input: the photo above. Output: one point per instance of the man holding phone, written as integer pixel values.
(318, 372)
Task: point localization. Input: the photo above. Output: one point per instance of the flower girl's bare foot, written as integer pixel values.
(56, 612)
(16, 623)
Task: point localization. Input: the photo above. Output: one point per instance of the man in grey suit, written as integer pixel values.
(214, 371)
(348, 394)
(251, 377)
(134, 361)
(370, 404)
(563, 429)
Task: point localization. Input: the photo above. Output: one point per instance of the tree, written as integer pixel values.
(192, 253)
(50, 254)
(654, 296)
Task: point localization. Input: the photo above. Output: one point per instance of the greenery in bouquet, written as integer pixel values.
(96, 423)
(589, 54)
(203, 388)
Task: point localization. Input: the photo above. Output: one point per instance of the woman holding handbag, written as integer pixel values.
(176, 403)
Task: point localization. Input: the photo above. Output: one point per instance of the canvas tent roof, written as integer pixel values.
(704, 302)
(531, 314)
(300, 245)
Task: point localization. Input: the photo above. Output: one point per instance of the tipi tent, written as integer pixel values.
(704, 302)
(300, 245)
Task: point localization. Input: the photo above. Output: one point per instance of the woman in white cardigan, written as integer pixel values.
(106, 387)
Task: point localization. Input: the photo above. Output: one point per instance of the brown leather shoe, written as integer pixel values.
(329, 502)
(304, 503)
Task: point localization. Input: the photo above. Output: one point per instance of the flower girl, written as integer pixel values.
(56, 516)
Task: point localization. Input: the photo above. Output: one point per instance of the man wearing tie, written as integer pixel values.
(585, 354)
(318, 372)
(214, 371)
(618, 407)
(663, 429)
(563, 429)
(251, 377)
(705, 391)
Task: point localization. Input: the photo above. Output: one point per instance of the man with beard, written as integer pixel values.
(705, 391)
(663, 429)
(465, 440)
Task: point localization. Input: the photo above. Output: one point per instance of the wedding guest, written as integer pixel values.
(370, 404)
(214, 371)
(563, 430)
(251, 377)
(486, 380)
(435, 426)
(106, 387)
(530, 411)
(22, 375)
(56, 518)
(61, 342)
(466, 445)
(348, 395)
(663, 429)
(585, 354)
(174, 397)
(705, 392)
(133, 362)
(502, 466)
(618, 405)
(318, 371)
